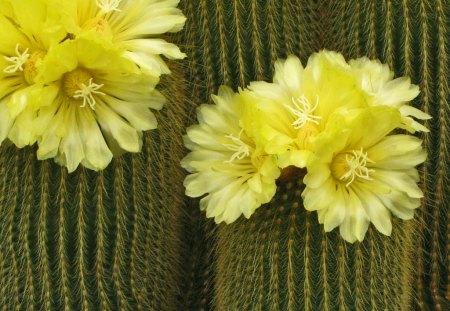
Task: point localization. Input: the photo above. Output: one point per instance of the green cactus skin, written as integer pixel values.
(111, 240)
(281, 259)
(198, 287)
(234, 42)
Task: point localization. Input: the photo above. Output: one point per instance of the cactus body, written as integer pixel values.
(280, 258)
(107, 240)
(119, 240)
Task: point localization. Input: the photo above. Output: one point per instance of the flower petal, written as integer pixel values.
(376, 210)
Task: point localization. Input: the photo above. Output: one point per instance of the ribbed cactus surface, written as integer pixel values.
(280, 258)
(111, 240)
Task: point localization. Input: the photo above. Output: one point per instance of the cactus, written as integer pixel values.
(107, 240)
(120, 239)
(280, 259)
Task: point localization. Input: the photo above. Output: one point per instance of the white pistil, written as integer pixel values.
(303, 111)
(108, 5)
(86, 92)
(241, 148)
(357, 167)
(17, 61)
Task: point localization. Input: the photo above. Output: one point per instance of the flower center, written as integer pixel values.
(99, 25)
(78, 84)
(17, 61)
(241, 148)
(304, 134)
(30, 68)
(303, 111)
(107, 6)
(348, 166)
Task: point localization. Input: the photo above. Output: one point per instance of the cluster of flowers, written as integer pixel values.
(78, 77)
(334, 118)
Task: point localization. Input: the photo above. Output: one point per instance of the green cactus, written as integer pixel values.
(127, 239)
(111, 240)
(280, 259)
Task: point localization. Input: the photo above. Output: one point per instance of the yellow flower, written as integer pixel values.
(100, 108)
(295, 108)
(133, 26)
(360, 174)
(26, 34)
(236, 175)
(380, 88)
(79, 77)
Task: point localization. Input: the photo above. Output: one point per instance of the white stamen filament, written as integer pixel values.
(303, 111)
(86, 92)
(108, 5)
(18, 61)
(357, 167)
(241, 148)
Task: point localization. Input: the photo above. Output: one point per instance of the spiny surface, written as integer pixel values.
(97, 241)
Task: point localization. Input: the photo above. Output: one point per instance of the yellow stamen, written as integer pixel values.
(303, 111)
(86, 92)
(17, 61)
(108, 5)
(346, 167)
(241, 148)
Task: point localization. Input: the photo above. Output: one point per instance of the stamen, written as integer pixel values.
(86, 92)
(357, 167)
(108, 5)
(303, 111)
(241, 148)
(18, 61)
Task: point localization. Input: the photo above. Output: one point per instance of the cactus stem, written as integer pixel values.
(224, 44)
(44, 264)
(388, 35)
(257, 40)
(342, 275)
(325, 274)
(63, 261)
(207, 45)
(120, 243)
(82, 256)
(101, 255)
(307, 254)
(25, 234)
(442, 174)
(290, 269)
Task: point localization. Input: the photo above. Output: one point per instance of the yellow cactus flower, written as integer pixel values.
(79, 77)
(100, 108)
(295, 108)
(380, 88)
(226, 165)
(26, 34)
(360, 174)
(133, 26)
